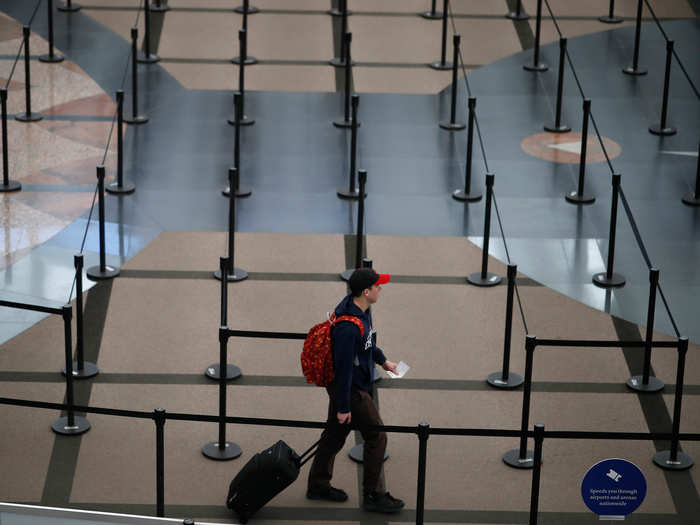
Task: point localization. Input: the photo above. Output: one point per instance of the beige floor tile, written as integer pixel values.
(40, 349)
(317, 253)
(27, 440)
(290, 37)
(478, 45)
(132, 444)
(384, 39)
(193, 345)
(183, 35)
(400, 80)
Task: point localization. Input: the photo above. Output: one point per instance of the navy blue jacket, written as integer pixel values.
(353, 355)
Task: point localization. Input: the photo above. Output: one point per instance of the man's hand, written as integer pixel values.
(389, 366)
(344, 417)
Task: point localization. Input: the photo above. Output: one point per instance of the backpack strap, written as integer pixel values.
(349, 318)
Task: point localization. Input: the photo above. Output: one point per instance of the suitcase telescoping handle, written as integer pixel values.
(310, 453)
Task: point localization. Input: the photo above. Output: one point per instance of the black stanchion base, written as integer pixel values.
(601, 279)
(512, 459)
(463, 196)
(513, 15)
(80, 426)
(138, 119)
(635, 383)
(491, 279)
(537, 68)
(356, 452)
(342, 123)
(242, 191)
(142, 58)
(610, 19)
(115, 189)
(663, 459)
(94, 274)
(52, 59)
(432, 16)
(496, 380)
(232, 372)
(89, 370)
(245, 121)
(452, 126)
(213, 451)
(656, 129)
(345, 193)
(553, 128)
(440, 66)
(345, 276)
(159, 8)
(251, 9)
(340, 62)
(72, 9)
(249, 61)
(574, 198)
(689, 198)
(635, 72)
(31, 117)
(337, 12)
(13, 185)
(237, 275)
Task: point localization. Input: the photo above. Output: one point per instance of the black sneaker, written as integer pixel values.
(386, 503)
(328, 494)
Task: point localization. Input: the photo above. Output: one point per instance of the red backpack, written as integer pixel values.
(317, 357)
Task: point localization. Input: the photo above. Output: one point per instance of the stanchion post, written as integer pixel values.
(484, 278)
(519, 13)
(222, 450)
(242, 118)
(662, 128)
(558, 127)
(135, 117)
(340, 11)
(535, 489)
(675, 459)
(103, 271)
(579, 196)
(634, 68)
(27, 116)
(466, 194)
(340, 61)
(452, 125)
(442, 64)
(609, 279)
(537, 66)
(346, 122)
(69, 425)
(521, 457)
(159, 7)
(423, 435)
(239, 191)
(646, 382)
(246, 8)
(232, 371)
(610, 18)
(69, 7)
(7, 184)
(81, 369)
(506, 379)
(352, 191)
(147, 57)
(119, 187)
(249, 60)
(432, 14)
(693, 198)
(159, 420)
(233, 274)
(51, 57)
(359, 238)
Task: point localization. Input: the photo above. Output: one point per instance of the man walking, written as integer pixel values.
(350, 398)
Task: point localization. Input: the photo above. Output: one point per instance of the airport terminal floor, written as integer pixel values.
(154, 329)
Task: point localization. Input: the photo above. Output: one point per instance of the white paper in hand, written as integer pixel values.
(401, 370)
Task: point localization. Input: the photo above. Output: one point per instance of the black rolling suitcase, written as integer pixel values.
(266, 474)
